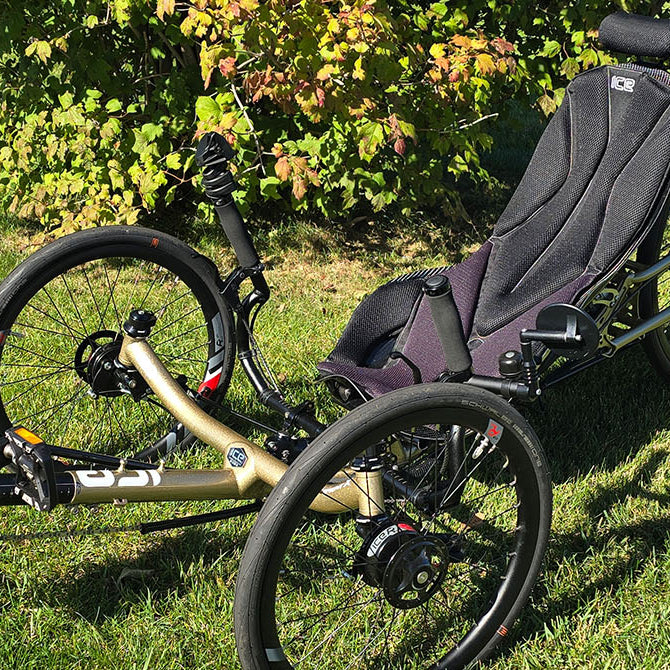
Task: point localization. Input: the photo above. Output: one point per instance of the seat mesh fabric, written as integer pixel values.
(579, 211)
(582, 206)
(636, 35)
(384, 311)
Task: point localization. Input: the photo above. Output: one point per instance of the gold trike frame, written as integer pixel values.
(250, 472)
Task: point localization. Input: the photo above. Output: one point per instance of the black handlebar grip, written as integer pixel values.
(448, 324)
(212, 155)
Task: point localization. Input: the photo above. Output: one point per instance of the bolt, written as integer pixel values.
(107, 365)
(132, 384)
(422, 578)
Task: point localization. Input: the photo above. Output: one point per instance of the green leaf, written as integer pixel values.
(370, 137)
(547, 104)
(551, 49)
(439, 9)
(141, 141)
(66, 100)
(206, 108)
(39, 48)
(110, 128)
(269, 187)
(113, 105)
(588, 57)
(173, 161)
(152, 131)
(570, 68)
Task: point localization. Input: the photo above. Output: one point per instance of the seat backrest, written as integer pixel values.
(589, 189)
(636, 35)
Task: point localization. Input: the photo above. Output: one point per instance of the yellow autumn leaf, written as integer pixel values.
(461, 41)
(165, 7)
(485, 64)
(359, 72)
(324, 73)
(437, 50)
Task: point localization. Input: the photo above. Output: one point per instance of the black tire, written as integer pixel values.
(654, 298)
(314, 610)
(85, 284)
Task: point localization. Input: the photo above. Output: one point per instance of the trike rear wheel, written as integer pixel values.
(655, 297)
(421, 589)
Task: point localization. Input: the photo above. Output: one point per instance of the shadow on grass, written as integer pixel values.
(598, 421)
(108, 587)
(602, 416)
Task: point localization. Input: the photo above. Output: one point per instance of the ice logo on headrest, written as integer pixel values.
(623, 84)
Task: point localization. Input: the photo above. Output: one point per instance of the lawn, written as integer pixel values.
(165, 601)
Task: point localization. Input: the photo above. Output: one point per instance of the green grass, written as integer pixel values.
(165, 601)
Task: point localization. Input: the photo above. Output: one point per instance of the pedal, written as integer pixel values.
(35, 474)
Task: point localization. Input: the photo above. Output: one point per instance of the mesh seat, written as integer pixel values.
(584, 202)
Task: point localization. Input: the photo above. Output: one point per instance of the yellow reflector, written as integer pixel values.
(28, 436)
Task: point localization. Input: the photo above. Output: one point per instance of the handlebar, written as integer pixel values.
(212, 155)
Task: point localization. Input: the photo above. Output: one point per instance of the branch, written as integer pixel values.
(259, 149)
(463, 126)
(172, 50)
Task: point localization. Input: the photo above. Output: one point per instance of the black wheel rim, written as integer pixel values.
(325, 615)
(41, 386)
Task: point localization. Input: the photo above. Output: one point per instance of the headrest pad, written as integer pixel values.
(636, 35)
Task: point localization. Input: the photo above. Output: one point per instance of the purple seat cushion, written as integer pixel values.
(422, 345)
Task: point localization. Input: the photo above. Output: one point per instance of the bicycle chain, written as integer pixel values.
(69, 534)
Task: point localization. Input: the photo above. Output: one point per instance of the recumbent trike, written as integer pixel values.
(411, 531)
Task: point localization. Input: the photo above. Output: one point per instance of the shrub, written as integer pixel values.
(331, 105)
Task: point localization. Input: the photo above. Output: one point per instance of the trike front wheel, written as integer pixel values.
(61, 318)
(425, 587)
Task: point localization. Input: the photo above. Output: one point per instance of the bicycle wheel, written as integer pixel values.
(655, 297)
(61, 316)
(425, 587)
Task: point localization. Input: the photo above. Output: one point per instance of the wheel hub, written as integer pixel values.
(415, 572)
(408, 566)
(95, 362)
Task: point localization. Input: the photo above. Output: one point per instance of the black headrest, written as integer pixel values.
(636, 35)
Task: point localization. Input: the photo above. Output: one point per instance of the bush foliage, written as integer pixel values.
(330, 104)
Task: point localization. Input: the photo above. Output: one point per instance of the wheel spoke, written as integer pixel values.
(428, 575)
(60, 375)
